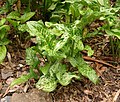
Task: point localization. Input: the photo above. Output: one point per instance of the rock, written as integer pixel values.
(6, 99)
(6, 73)
(32, 96)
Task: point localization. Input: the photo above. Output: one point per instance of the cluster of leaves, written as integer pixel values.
(16, 20)
(3, 39)
(59, 33)
(57, 43)
(60, 46)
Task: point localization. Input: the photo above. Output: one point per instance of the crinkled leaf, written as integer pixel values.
(60, 70)
(22, 79)
(49, 24)
(46, 83)
(89, 50)
(31, 58)
(79, 45)
(66, 78)
(53, 69)
(86, 70)
(62, 42)
(104, 2)
(23, 27)
(113, 32)
(34, 27)
(73, 62)
(3, 51)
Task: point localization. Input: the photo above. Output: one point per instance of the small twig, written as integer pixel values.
(6, 92)
(116, 96)
(99, 61)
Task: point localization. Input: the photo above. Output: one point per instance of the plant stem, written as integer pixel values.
(72, 49)
(44, 11)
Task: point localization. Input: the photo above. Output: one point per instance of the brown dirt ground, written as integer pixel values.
(107, 90)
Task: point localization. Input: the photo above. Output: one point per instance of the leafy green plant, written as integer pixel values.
(60, 41)
(16, 19)
(3, 39)
(57, 43)
(8, 6)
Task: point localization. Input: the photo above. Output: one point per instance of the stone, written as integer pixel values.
(33, 96)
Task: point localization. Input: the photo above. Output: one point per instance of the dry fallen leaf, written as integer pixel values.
(6, 73)
(9, 80)
(1, 85)
(88, 92)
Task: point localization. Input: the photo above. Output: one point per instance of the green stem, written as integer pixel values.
(72, 49)
(44, 11)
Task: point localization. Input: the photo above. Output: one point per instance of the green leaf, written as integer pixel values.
(113, 32)
(74, 10)
(4, 41)
(60, 70)
(4, 9)
(34, 27)
(46, 83)
(86, 70)
(89, 50)
(11, 2)
(23, 27)
(45, 69)
(118, 3)
(22, 79)
(80, 45)
(88, 17)
(104, 2)
(31, 58)
(33, 74)
(5, 27)
(101, 2)
(66, 78)
(62, 42)
(14, 23)
(3, 52)
(73, 62)
(2, 21)
(26, 16)
(52, 7)
(54, 68)
(14, 15)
